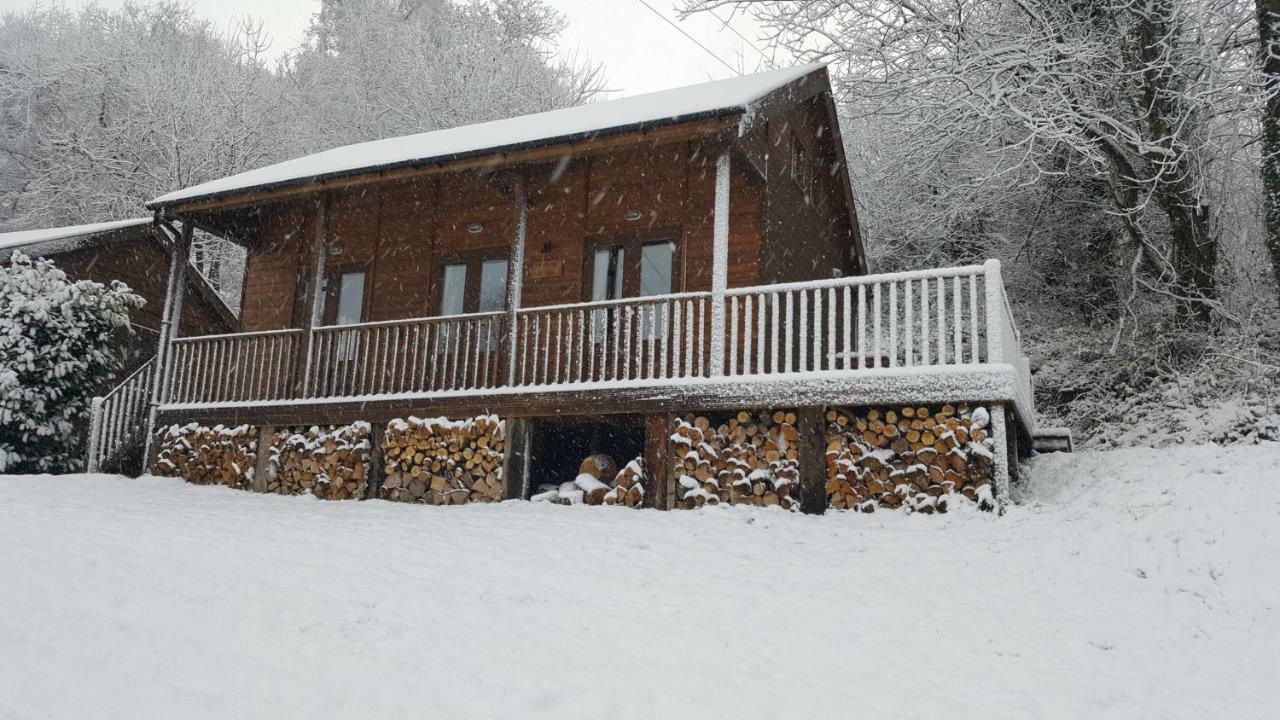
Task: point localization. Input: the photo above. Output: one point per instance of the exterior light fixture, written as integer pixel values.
(475, 228)
(633, 215)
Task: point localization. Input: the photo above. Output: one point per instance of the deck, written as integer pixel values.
(941, 335)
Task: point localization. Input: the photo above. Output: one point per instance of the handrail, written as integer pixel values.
(409, 321)
(233, 336)
(602, 304)
(855, 280)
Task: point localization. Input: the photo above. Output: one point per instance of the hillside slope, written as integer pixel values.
(1128, 584)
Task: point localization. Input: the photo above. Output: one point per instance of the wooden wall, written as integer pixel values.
(142, 264)
(401, 231)
(808, 235)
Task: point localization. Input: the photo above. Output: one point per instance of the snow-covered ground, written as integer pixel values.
(1129, 584)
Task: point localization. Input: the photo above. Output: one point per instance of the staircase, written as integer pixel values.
(118, 423)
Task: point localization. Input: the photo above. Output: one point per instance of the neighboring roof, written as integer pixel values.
(61, 239)
(721, 98)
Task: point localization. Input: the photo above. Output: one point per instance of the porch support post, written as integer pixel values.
(812, 459)
(515, 275)
(170, 325)
(719, 263)
(315, 309)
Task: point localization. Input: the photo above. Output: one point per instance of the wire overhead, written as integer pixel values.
(692, 39)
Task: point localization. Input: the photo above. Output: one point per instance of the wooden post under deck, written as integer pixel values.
(657, 460)
(813, 464)
(515, 461)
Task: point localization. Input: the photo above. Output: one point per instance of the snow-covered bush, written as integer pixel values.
(59, 344)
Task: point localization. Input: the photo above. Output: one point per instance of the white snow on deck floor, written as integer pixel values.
(1133, 584)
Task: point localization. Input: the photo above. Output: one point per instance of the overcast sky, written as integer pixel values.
(640, 52)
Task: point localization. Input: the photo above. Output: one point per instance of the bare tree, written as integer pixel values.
(985, 98)
(1269, 52)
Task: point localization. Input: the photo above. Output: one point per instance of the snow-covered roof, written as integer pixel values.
(734, 96)
(51, 239)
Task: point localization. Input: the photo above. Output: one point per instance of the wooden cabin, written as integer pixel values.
(636, 278)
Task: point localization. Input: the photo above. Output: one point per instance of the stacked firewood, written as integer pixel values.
(443, 462)
(628, 485)
(916, 457)
(203, 455)
(747, 460)
(330, 463)
(599, 482)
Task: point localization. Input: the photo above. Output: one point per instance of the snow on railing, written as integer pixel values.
(119, 418)
(233, 367)
(460, 352)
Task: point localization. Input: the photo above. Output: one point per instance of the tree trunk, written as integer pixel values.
(1269, 36)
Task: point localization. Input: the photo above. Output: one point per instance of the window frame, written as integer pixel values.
(474, 261)
(333, 286)
(632, 244)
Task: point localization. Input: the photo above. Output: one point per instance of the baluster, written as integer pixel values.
(691, 331)
(628, 341)
(909, 329)
(815, 358)
(924, 321)
(802, 362)
(847, 291)
(733, 335)
(942, 321)
(862, 327)
(893, 323)
(675, 338)
(579, 355)
(788, 331)
(831, 328)
(546, 353)
(973, 319)
(747, 350)
(761, 341)
(957, 325)
(774, 341)
(522, 322)
(437, 374)
(876, 325)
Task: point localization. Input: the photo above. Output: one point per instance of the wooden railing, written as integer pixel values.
(945, 317)
(119, 418)
(233, 367)
(420, 355)
(665, 336)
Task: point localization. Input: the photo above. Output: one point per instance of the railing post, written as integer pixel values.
(315, 308)
(170, 325)
(95, 429)
(993, 289)
(719, 263)
(515, 278)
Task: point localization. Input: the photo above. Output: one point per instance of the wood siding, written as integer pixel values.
(142, 264)
(401, 231)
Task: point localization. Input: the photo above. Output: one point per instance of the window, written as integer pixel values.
(471, 285)
(343, 291)
(634, 268)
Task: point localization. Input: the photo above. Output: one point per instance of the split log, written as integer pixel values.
(202, 455)
(331, 463)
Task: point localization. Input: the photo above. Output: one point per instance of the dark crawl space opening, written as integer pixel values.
(557, 446)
